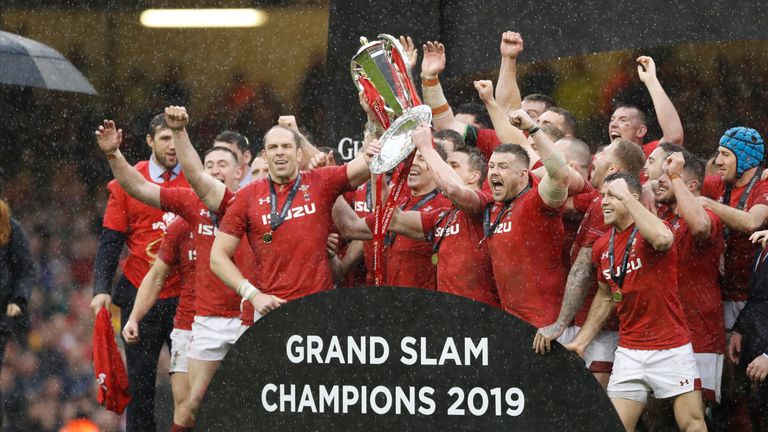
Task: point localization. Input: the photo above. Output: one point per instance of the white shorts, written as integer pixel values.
(179, 350)
(731, 311)
(665, 373)
(711, 370)
(212, 337)
(599, 355)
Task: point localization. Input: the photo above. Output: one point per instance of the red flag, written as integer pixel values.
(108, 366)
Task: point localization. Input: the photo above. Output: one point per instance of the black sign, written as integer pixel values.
(399, 359)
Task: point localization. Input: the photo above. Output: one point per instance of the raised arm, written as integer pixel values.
(653, 229)
(553, 188)
(601, 309)
(210, 190)
(109, 139)
(689, 208)
(358, 171)
(580, 279)
(669, 120)
(507, 91)
(222, 251)
(446, 178)
(432, 65)
(504, 129)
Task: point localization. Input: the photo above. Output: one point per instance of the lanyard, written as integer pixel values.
(368, 196)
(619, 278)
(742, 199)
(450, 216)
(488, 229)
(276, 220)
(390, 237)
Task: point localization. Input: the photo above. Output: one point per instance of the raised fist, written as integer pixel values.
(422, 136)
(511, 44)
(176, 117)
(521, 120)
(675, 163)
(646, 68)
(484, 90)
(288, 121)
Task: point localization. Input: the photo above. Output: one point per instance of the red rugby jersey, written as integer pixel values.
(739, 251)
(698, 279)
(212, 297)
(408, 262)
(650, 314)
(178, 251)
(295, 263)
(464, 265)
(526, 252)
(144, 227)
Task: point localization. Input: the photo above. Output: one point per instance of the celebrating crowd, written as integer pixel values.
(644, 258)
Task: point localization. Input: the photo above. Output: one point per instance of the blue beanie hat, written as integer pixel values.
(746, 144)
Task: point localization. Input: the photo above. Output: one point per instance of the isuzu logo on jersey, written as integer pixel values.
(207, 230)
(362, 207)
(447, 232)
(503, 228)
(293, 213)
(632, 265)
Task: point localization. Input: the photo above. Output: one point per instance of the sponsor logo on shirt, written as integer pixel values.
(295, 212)
(504, 227)
(207, 230)
(362, 207)
(632, 265)
(192, 255)
(451, 230)
(263, 201)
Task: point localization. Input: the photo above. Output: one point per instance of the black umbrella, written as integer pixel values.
(26, 62)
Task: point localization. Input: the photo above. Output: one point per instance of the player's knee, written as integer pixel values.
(693, 425)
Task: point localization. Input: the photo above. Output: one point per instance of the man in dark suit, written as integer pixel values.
(749, 343)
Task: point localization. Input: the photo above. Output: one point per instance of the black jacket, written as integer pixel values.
(752, 322)
(17, 270)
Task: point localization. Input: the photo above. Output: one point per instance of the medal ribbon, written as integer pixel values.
(276, 220)
(488, 229)
(450, 216)
(619, 279)
(383, 214)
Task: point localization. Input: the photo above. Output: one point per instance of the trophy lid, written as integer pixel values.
(396, 143)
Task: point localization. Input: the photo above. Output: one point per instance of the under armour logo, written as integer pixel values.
(204, 213)
(682, 383)
(264, 200)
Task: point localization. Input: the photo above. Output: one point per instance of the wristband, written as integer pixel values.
(430, 82)
(533, 130)
(246, 290)
(674, 175)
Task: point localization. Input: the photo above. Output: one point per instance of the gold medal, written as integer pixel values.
(267, 237)
(617, 296)
(434, 259)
